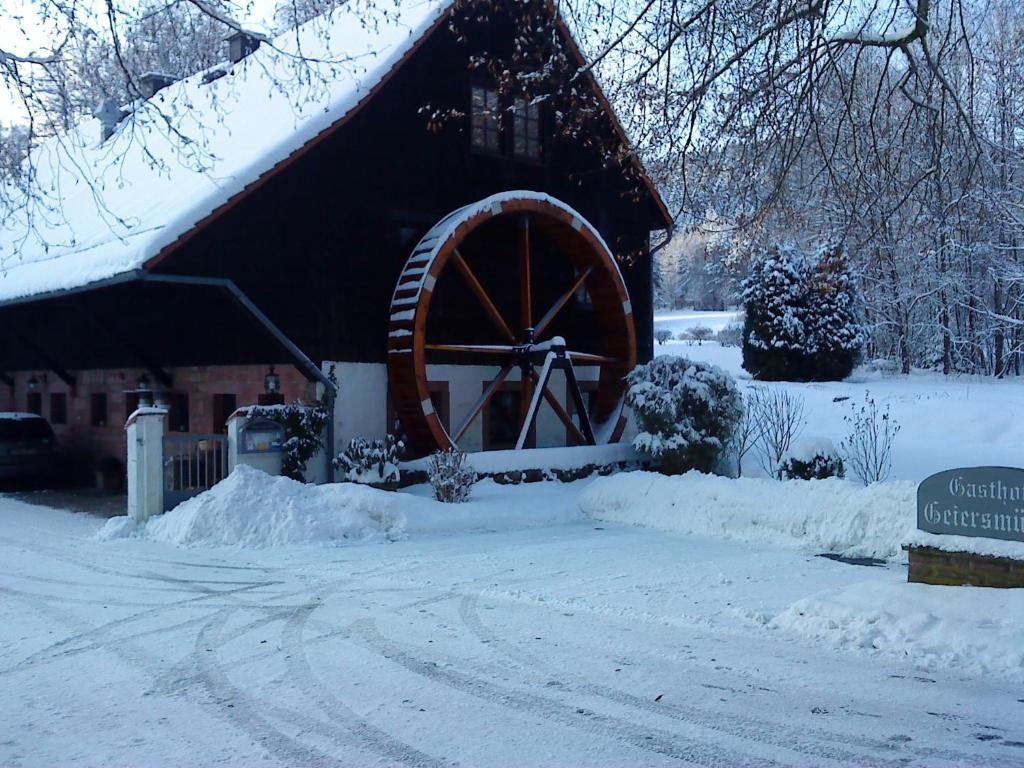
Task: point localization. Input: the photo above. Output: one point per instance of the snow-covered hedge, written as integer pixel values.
(826, 515)
(687, 411)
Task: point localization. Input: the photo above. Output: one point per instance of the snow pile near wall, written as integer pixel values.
(828, 515)
(252, 509)
(971, 629)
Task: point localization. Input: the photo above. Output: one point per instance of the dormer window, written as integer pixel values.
(486, 119)
(526, 130)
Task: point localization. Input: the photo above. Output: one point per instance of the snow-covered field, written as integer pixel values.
(577, 642)
(946, 421)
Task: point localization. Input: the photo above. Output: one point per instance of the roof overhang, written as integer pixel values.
(174, 320)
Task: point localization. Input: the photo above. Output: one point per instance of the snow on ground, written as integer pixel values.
(678, 320)
(947, 421)
(827, 515)
(253, 509)
(971, 629)
(583, 644)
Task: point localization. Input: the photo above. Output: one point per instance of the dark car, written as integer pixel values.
(27, 448)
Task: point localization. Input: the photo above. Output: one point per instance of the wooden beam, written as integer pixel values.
(473, 349)
(562, 301)
(483, 297)
(525, 298)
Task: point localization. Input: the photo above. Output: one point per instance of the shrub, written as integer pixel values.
(661, 335)
(700, 333)
(801, 317)
(370, 461)
(731, 335)
(811, 460)
(449, 476)
(868, 445)
(779, 416)
(687, 412)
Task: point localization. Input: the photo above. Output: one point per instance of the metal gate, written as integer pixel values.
(193, 463)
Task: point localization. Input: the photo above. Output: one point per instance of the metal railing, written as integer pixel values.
(193, 463)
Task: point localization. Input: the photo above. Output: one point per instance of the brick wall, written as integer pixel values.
(86, 442)
(934, 566)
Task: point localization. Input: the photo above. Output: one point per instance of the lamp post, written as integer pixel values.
(144, 388)
(271, 389)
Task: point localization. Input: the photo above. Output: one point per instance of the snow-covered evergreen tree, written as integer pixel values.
(801, 316)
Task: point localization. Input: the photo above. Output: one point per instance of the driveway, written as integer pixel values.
(579, 644)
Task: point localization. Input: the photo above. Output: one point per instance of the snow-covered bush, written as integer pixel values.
(449, 476)
(687, 412)
(661, 335)
(731, 335)
(811, 459)
(370, 461)
(868, 446)
(802, 321)
(303, 427)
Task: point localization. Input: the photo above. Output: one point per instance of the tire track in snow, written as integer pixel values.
(300, 669)
(747, 728)
(640, 737)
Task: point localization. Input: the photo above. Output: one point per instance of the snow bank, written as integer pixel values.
(831, 515)
(972, 629)
(252, 509)
(976, 545)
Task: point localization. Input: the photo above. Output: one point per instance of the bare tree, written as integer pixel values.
(868, 445)
(779, 416)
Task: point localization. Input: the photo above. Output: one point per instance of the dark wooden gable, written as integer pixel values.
(318, 247)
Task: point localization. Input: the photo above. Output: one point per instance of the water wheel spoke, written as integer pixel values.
(485, 398)
(482, 296)
(550, 315)
(473, 349)
(589, 357)
(561, 413)
(525, 298)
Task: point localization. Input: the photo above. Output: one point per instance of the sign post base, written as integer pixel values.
(929, 565)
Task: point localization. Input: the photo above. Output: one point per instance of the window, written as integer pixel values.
(34, 403)
(98, 409)
(501, 418)
(526, 130)
(178, 416)
(131, 404)
(223, 406)
(485, 124)
(58, 408)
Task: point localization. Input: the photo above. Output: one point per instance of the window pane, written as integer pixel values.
(485, 120)
(58, 408)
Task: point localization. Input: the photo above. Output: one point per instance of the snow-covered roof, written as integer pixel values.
(192, 147)
(111, 206)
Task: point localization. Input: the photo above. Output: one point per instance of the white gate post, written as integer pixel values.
(145, 428)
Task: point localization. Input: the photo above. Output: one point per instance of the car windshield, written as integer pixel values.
(24, 429)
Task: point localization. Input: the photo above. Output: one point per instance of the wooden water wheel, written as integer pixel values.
(490, 284)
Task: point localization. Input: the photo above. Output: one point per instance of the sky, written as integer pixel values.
(23, 32)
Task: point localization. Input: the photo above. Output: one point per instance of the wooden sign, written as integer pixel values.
(973, 501)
